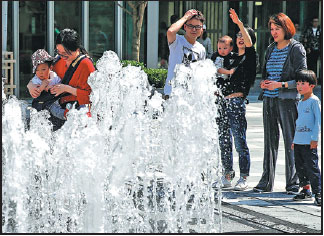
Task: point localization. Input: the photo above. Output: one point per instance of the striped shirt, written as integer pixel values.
(274, 68)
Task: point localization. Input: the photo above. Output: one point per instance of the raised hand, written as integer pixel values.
(234, 17)
(190, 13)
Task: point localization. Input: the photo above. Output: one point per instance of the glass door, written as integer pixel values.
(32, 36)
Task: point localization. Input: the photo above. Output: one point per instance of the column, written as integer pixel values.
(152, 33)
(85, 24)
(15, 31)
(119, 29)
(50, 28)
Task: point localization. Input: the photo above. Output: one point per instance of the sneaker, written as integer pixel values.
(292, 190)
(304, 195)
(318, 199)
(241, 184)
(224, 184)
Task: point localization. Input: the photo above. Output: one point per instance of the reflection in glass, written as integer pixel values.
(32, 36)
(101, 28)
(67, 14)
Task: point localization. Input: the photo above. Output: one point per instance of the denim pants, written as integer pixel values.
(284, 112)
(56, 110)
(232, 123)
(306, 161)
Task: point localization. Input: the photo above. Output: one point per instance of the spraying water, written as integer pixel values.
(139, 164)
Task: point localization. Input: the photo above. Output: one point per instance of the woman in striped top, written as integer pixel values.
(284, 58)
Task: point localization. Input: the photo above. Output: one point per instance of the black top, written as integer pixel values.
(229, 63)
(244, 76)
(228, 59)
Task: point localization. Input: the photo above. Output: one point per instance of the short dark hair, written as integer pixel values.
(306, 76)
(285, 22)
(226, 39)
(173, 18)
(199, 16)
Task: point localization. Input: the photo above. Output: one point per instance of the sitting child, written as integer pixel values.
(223, 59)
(305, 141)
(46, 79)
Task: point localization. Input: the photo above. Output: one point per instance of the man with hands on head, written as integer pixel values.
(184, 48)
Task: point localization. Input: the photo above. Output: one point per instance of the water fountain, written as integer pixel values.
(139, 164)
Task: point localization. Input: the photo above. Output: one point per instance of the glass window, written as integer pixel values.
(32, 36)
(128, 36)
(303, 12)
(67, 14)
(101, 28)
(262, 11)
(9, 27)
(213, 12)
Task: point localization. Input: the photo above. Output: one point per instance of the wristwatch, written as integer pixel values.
(283, 84)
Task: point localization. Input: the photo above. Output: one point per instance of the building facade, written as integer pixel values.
(104, 25)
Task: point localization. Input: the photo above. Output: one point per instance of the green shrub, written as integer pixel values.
(155, 76)
(132, 63)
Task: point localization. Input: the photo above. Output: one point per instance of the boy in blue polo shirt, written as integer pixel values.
(306, 138)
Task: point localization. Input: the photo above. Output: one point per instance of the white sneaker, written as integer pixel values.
(225, 183)
(241, 184)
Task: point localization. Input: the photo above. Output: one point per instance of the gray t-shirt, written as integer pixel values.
(308, 123)
(181, 51)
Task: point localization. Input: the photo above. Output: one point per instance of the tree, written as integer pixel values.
(137, 14)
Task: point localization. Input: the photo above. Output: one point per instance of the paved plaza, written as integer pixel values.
(275, 212)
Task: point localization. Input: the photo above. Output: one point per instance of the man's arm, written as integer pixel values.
(175, 27)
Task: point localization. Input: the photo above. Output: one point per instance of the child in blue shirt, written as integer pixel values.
(305, 141)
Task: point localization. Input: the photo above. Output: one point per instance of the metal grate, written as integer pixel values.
(8, 68)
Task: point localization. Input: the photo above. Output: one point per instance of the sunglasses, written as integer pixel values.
(239, 35)
(194, 26)
(66, 55)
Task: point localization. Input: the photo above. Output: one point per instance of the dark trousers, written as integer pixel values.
(306, 161)
(232, 123)
(284, 112)
(312, 58)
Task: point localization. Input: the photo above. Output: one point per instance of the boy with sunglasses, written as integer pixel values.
(184, 48)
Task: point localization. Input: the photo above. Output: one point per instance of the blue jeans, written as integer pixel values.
(232, 123)
(57, 111)
(306, 162)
